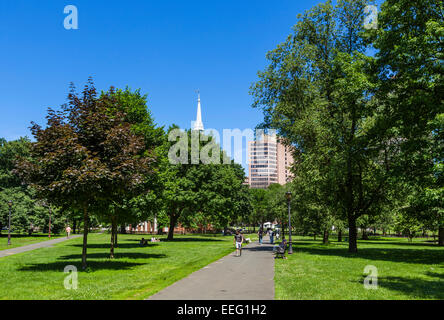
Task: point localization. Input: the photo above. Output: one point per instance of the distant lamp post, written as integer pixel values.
(290, 247)
(9, 226)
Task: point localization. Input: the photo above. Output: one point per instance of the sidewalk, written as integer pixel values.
(249, 277)
(38, 245)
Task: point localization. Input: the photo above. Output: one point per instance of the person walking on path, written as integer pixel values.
(271, 234)
(68, 231)
(260, 233)
(238, 240)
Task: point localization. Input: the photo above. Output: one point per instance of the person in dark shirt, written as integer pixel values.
(283, 244)
(260, 234)
(238, 240)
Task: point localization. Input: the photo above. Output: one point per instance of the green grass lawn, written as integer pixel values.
(405, 270)
(18, 240)
(136, 272)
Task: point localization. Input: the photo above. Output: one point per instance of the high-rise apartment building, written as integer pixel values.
(269, 162)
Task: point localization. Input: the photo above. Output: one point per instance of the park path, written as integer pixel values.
(249, 277)
(38, 245)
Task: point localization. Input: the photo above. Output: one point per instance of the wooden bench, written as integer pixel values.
(280, 253)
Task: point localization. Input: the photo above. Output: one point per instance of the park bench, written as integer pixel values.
(280, 253)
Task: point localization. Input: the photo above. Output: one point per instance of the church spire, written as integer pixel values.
(198, 125)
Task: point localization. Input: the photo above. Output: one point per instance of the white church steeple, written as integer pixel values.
(198, 125)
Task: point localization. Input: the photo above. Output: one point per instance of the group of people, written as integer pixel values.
(144, 242)
(239, 239)
(271, 233)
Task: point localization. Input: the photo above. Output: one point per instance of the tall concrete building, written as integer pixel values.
(269, 162)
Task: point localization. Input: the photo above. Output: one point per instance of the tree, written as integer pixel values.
(9, 152)
(133, 107)
(259, 206)
(409, 58)
(209, 186)
(86, 157)
(224, 197)
(26, 212)
(318, 92)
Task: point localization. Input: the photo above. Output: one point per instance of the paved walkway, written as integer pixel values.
(38, 245)
(249, 277)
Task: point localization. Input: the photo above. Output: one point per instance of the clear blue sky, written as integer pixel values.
(167, 48)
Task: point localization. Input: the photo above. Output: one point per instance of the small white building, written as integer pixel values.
(271, 225)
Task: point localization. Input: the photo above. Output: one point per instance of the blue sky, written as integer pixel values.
(167, 48)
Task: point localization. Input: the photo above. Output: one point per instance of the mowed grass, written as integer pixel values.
(405, 270)
(19, 240)
(136, 272)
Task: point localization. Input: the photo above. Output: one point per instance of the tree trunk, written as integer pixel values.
(340, 236)
(352, 235)
(325, 238)
(314, 236)
(173, 220)
(113, 243)
(441, 236)
(115, 234)
(111, 250)
(74, 226)
(85, 236)
(364, 234)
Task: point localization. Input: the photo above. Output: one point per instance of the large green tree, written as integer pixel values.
(410, 42)
(318, 92)
(124, 208)
(27, 213)
(87, 156)
(198, 181)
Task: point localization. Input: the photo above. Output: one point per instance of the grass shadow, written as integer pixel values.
(383, 254)
(18, 236)
(424, 289)
(436, 275)
(92, 265)
(120, 245)
(117, 255)
(191, 240)
(102, 262)
(398, 243)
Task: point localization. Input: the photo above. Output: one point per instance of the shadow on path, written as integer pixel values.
(261, 248)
